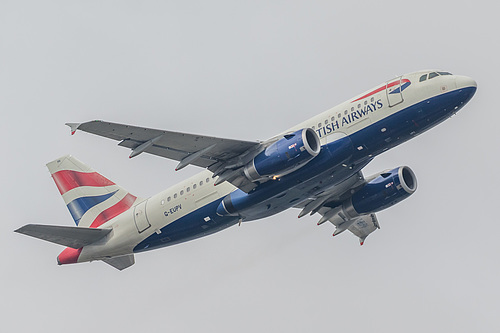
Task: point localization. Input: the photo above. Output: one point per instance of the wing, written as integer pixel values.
(224, 157)
(330, 206)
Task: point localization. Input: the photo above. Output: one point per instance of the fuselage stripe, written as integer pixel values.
(390, 85)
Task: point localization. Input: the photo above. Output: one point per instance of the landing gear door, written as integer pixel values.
(394, 92)
(140, 217)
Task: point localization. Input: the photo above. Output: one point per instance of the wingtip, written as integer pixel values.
(22, 230)
(73, 127)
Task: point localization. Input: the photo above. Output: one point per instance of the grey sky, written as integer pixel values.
(248, 70)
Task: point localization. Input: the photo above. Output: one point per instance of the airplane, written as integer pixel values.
(315, 166)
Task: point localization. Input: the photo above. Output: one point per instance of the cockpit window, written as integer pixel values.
(432, 75)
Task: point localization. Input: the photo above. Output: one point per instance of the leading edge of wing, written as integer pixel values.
(173, 145)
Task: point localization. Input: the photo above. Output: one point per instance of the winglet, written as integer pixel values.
(73, 126)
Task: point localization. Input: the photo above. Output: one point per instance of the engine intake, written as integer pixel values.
(284, 156)
(384, 191)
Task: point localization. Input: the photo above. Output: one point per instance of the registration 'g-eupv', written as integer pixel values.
(314, 166)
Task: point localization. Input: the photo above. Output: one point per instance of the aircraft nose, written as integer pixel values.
(466, 88)
(465, 82)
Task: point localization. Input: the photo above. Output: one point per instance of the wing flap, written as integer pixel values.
(203, 161)
(74, 237)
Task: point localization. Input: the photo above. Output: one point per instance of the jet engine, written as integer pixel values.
(383, 191)
(284, 156)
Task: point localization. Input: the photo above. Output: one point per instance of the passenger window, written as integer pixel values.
(182, 192)
(169, 198)
(207, 180)
(175, 195)
(319, 125)
(326, 121)
(345, 112)
(333, 118)
(373, 99)
(423, 78)
(432, 75)
(339, 115)
(188, 189)
(314, 127)
(194, 186)
(352, 109)
(201, 183)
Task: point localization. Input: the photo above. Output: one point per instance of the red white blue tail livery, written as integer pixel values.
(91, 198)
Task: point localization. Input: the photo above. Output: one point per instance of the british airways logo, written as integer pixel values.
(350, 118)
(403, 85)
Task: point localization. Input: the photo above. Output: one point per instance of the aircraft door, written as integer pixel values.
(140, 217)
(394, 92)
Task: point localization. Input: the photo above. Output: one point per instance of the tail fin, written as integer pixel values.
(91, 198)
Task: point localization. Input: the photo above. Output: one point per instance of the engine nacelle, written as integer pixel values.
(285, 155)
(384, 191)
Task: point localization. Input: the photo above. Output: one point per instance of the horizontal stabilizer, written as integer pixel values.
(75, 237)
(121, 262)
